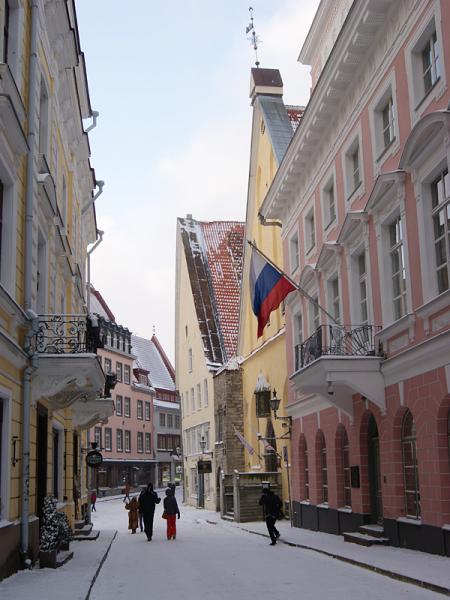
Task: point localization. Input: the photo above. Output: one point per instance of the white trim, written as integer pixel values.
(353, 141)
(428, 309)
(6, 453)
(61, 450)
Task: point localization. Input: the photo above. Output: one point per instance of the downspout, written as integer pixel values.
(88, 283)
(269, 222)
(28, 275)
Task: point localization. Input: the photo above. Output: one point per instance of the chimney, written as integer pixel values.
(265, 81)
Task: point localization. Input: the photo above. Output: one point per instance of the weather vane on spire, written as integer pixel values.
(253, 38)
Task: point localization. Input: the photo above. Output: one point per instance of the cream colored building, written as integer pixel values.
(263, 360)
(208, 276)
(51, 383)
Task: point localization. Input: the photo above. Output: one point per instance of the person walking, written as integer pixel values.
(141, 514)
(133, 515)
(93, 500)
(147, 503)
(272, 506)
(127, 492)
(171, 511)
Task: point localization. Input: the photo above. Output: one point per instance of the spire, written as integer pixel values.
(253, 38)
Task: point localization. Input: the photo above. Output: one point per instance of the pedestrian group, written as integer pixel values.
(141, 511)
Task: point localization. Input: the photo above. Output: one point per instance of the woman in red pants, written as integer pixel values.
(171, 509)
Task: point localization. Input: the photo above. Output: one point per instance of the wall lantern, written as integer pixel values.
(275, 405)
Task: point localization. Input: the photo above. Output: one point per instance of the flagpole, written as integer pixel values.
(296, 285)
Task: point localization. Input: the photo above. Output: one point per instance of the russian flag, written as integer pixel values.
(268, 288)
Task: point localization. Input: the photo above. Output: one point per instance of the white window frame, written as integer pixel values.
(313, 315)
(205, 392)
(198, 396)
(119, 438)
(392, 249)
(15, 31)
(380, 150)
(127, 407)
(140, 442)
(359, 279)
(192, 400)
(442, 208)
(9, 230)
(294, 252)
(419, 98)
(332, 280)
(329, 217)
(352, 191)
(310, 229)
(139, 410)
(44, 118)
(127, 440)
(190, 360)
(147, 413)
(148, 443)
(108, 433)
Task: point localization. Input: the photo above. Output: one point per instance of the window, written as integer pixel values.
(147, 411)
(127, 407)
(314, 316)
(119, 440)
(169, 420)
(352, 168)
(108, 436)
(334, 301)
(323, 469)
(64, 201)
(362, 288)
(177, 421)
(6, 24)
(108, 367)
(431, 69)
(168, 442)
(398, 272)
(192, 400)
(310, 231)
(98, 437)
(119, 406)
(140, 441)
(194, 482)
(119, 372)
(410, 467)
(148, 443)
(162, 419)
(139, 409)
(440, 210)
(126, 374)
(43, 119)
(387, 123)
(298, 338)
(199, 397)
(294, 252)
(304, 474)
(205, 392)
(127, 441)
(346, 471)
(329, 203)
(190, 360)
(143, 379)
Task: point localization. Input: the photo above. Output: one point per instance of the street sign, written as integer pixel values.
(204, 466)
(94, 458)
(285, 454)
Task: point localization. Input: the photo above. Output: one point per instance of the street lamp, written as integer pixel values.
(275, 405)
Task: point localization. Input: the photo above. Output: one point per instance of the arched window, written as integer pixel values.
(270, 449)
(322, 456)
(410, 467)
(347, 490)
(304, 472)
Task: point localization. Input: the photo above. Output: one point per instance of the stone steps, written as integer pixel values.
(90, 536)
(363, 539)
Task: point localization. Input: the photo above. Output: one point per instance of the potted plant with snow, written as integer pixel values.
(65, 533)
(49, 539)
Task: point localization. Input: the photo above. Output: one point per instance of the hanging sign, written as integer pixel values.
(204, 466)
(94, 458)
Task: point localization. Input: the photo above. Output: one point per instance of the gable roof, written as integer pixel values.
(98, 305)
(214, 252)
(149, 358)
(281, 122)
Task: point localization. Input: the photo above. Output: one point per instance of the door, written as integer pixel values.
(201, 490)
(41, 466)
(375, 473)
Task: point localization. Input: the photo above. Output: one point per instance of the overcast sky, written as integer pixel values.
(171, 83)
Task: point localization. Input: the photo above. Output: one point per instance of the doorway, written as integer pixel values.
(41, 463)
(376, 503)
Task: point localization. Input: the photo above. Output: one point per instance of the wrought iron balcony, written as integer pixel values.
(66, 334)
(337, 340)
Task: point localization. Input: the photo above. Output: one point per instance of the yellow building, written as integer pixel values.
(264, 359)
(208, 278)
(51, 383)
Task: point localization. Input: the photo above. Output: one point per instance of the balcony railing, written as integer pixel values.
(66, 334)
(337, 340)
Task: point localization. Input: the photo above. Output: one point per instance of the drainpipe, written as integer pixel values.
(88, 283)
(269, 222)
(95, 115)
(88, 204)
(28, 276)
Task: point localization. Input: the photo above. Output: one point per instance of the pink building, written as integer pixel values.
(363, 194)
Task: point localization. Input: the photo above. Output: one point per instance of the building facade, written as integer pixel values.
(364, 188)
(52, 387)
(208, 277)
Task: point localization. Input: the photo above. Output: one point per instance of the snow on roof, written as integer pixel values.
(214, 252)
(281, 122)
(98, 305)
(150, 359)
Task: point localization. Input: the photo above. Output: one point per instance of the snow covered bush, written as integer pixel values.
(50, 525)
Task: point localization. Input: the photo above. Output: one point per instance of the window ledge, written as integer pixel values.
(386, 149)
(305, 502)
(323, 505)
(445, 526)
(426, 95)
(345, 509)
(330, 223)
(409, 521)
(354, 192)
(6, 523)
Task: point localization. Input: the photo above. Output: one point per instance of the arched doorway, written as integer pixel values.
(373, 444)
(270, 456)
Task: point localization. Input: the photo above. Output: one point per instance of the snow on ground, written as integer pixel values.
(224, 563)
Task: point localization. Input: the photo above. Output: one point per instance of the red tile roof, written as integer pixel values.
(295, 114)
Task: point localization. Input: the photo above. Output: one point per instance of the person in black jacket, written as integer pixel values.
(272, 506)
(147, 502)
(171, 510)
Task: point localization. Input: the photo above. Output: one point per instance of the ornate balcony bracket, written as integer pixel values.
(87, 413)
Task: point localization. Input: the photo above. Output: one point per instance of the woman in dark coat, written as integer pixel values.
(133, 507)
(171, 509)
(147, 502)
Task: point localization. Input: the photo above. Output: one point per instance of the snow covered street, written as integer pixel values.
(223, 562)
